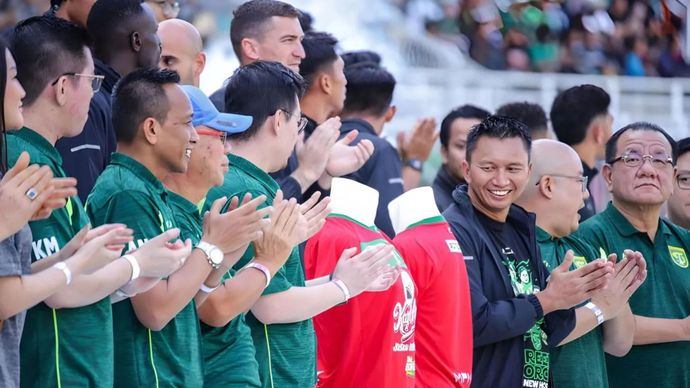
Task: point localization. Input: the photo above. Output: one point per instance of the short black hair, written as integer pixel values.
(319, 49)
(306, 21)
(249, 19)
(354, 57)
(530, 114)
(46, 47)
(107, 15)
(3, 90)
(499, 127)
(683, 146)
(466, 111)
(612, 143)
(369, 89)
(574, 109)
(138, 96)
(259, 89)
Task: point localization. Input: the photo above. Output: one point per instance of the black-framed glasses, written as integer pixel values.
(683, 181)
(96, 80)
(301, 123)
(582, 179)
(634, 159)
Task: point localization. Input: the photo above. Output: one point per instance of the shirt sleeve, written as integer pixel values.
(133, 209)
(10, 262)
(493, 321)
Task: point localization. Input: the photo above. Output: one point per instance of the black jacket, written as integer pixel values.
(443, 187)
(499, 318)
(589, 209)
(383, 170)
(86, 155)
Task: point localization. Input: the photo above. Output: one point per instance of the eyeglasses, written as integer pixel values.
(301, 123)
(219, 134)
(582, 179)
(170, 9)
(634, 159)
(96, 80)
(683, 181)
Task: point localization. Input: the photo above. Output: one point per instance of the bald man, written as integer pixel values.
(556, 191)
(181, 50)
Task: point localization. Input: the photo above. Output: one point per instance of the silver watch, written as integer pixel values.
(213, 254)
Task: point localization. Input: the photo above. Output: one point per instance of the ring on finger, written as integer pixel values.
(32, 193)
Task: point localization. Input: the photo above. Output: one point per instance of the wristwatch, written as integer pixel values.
(415, 164)
(213, 254)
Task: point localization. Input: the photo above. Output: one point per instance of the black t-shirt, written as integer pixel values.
(519, 266)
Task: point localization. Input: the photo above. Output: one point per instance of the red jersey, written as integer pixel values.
(444, 319)
(369, 341)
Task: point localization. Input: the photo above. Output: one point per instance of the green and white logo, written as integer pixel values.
(678, 256)
(579, 261)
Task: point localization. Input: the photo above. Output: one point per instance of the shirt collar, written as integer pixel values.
(311, 126)
(624, 227)
(40, 143)
(361, 125)
(183, 203)
(543, 236)
(138, 170)
(111, 76)
(254, 171)
(589, 172)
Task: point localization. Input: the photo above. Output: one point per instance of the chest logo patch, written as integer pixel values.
(453, 246)
(579, 261)
(678, 256)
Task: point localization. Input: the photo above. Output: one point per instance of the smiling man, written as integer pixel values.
(639, 174)
(516, 314)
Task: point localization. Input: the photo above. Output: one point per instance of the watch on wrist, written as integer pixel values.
(415, 164)
(213, 254)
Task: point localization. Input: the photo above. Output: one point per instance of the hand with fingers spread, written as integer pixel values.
(159, 257)
(231, 230)
(275, 245)
(62, 190)
(418, 143)
(358, 272)
(23, 190)
(104, 245)
(314, 213)
(566, 288)
(345, 159)
(630, 273)
(313, 153)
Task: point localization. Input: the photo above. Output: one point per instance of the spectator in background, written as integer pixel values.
(75, 11)
(352, 57)
(679, 202)
(635, 52)
(164, 9)
(368, 108)
(181, 50)
(580, 118)
(305, 21)
(532, 115)
(454, 129)
(123, 34)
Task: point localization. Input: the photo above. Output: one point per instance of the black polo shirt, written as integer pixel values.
(383, 170)
(589, 210)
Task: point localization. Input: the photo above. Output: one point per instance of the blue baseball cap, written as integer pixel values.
(205, 113)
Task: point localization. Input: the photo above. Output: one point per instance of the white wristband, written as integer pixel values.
(65, 269)
(341, 284)
(261, 268)
(136, 269)
(597, 312)
(207, 289)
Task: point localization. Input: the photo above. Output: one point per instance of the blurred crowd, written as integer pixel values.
(613, 37)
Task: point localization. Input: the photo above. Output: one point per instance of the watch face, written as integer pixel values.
(216, 256)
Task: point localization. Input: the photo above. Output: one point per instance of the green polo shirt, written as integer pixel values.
(665, 294)
(230, 345)
(127, 192)
(579, 363)
(286, 353)
(65, 347)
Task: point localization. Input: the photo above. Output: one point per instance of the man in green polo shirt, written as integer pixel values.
(156, 331)
(552, 194)
(280, 320)
(227, 343)
(68, 339)
(639, 173)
